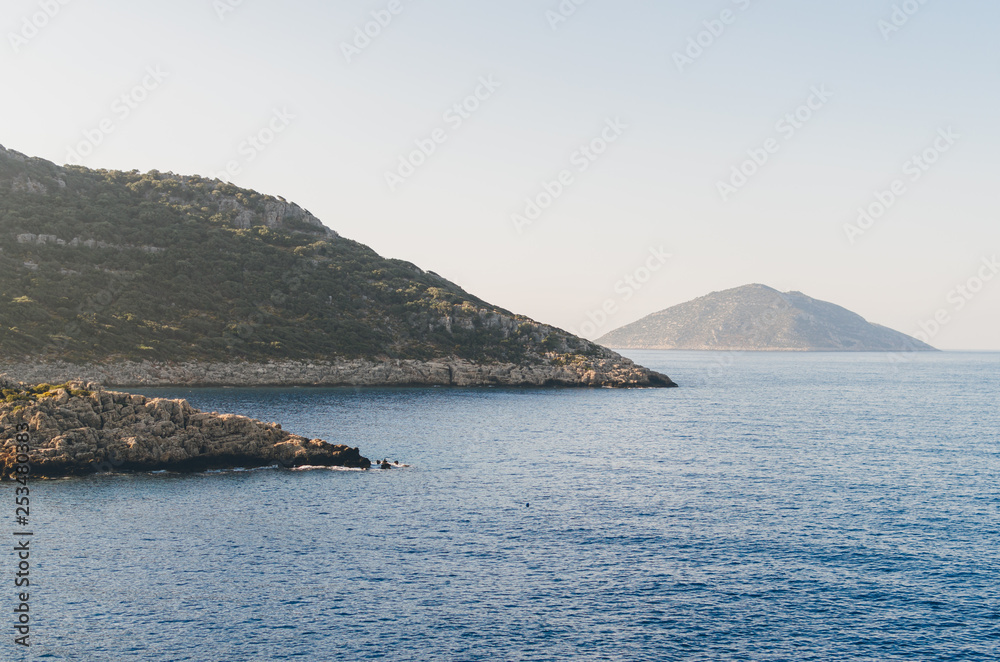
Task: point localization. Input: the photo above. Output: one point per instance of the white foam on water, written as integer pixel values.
(310, 467)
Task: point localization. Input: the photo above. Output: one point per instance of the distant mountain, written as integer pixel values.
(757, 317)
(144, 278)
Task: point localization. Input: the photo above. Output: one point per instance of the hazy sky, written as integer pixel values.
(826, 108)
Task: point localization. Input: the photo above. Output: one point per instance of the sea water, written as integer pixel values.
(775, 507)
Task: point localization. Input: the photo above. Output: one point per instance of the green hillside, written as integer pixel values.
(99, 265)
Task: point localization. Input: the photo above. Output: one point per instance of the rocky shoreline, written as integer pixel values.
(79, 428)
(617, 372)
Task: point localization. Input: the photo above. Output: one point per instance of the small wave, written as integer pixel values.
(239, 470)
(310, 467)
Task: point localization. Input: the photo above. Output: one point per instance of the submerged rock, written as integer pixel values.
(79, 428)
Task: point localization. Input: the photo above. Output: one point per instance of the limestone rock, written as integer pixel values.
(80, 428)
(606, 370)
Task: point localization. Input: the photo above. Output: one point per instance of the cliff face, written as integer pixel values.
(757, 317)
(79, 428)
(115, 271)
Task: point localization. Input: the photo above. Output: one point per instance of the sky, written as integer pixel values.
(563, 159)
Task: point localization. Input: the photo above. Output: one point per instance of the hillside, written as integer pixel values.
(757, 317)
(108, 270)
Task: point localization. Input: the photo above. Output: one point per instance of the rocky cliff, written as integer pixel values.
(757, 317)
(79, 428)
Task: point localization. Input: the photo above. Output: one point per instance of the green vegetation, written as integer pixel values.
(162, 267)
(39, 391)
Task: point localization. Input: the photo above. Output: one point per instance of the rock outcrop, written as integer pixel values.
(79, 428)
(612, 371)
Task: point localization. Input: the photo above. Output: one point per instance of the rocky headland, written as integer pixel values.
(135, 279)
(79, 428)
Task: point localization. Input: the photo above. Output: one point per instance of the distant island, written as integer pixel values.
(132, 279)
(760, 318)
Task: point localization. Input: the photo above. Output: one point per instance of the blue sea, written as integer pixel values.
(777, 506)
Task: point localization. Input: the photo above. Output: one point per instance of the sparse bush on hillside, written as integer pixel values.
(152, 266)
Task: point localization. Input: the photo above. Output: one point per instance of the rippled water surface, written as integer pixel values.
(776, 507)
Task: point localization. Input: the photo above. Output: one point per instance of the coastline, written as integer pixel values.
(781, 350)
(618, 372)
(78, 428)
